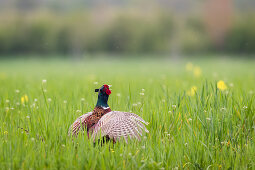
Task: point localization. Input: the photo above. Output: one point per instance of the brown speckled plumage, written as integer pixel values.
(97, 113)
(88, 120)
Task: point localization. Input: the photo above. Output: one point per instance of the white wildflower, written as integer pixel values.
(142, 94)
(82, 99)
(163, 100)
(78, 111)
(139, 103)
(118, 94)
(189, 119)
(222, 109)
(33, 105)
(49, 100)
(44, 81)
(17, 91)
(174, 106)
(17, 103)
(130, 154)
(134, 104)
(169, 111)
(65, 101)
(208, 118)
(231, 85)
(28, 117)
(35, 100)
(12, 108)
(95, 82)
(245, 107)
(44, 90)
(186, 144)
(143, 90)
(32, 139)
(7, 101)
(63, 145)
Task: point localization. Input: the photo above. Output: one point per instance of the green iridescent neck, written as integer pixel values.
(102, 100)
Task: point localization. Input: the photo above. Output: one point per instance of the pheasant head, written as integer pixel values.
(103, 95)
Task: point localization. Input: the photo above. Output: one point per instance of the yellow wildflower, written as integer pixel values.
(221, 85)
(197, 71)
(5, 132)
(189, 66)
(24, 99)
(192, 91)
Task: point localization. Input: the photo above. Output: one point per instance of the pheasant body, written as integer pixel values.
(89, 120)
(112, 124)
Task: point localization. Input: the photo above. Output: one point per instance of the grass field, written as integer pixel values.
(192, 123)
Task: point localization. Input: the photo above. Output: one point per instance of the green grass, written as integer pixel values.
(213, 129)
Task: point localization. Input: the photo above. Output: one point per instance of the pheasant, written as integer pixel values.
(107, 123)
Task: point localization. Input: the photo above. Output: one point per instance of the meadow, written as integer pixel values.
(200, 113)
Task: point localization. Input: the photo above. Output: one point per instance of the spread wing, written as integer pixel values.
(75, 127)
(116, 124)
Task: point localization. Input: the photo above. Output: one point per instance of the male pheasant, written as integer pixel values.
(110, 124)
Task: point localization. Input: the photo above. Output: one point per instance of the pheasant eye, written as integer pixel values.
(106, 89)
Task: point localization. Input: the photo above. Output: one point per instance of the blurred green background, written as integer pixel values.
(164, 27)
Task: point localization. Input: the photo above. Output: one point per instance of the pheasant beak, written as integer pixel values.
(96, 90)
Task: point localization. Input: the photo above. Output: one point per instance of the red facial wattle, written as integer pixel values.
(106, 86)
(107, 90)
